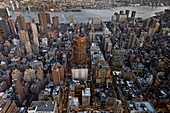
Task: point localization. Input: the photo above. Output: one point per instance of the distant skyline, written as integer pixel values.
(90, 13)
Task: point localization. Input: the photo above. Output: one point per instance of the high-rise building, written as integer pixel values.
(23, 36)
(58, 74)
(4, 30)
(105, 40)
(71, 19)
(19, 90)
(35, 33)
(40, 74)
(55, 21)
(2, 34)
(36, 86)
(4, 13)
(35, 44)
(12, 25)
(17, 4)
(29, 75)
(43, 20)
(21, 22)
(16, 74)
(48, 18)
(133, 15)
(97, 23)
(117, 58)
(127, 13)
(121, 17)
(80, 54)
(28, 47)
(35, 49)
(102, 72)
(153, 25)
(132, 40)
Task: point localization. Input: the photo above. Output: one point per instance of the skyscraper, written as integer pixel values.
(43, 20)
(29, 75)
(58, 74)
(4, 31)
(4, 13)
(19, 90)
(71, 19)
(79, 44)
(127, 13)
(12, 25)
(133, 15)
(35, 33)
(16, 74)
(21, 22)
(23, 36)
(35, 44)
(5, 28)
(40, 74)
(117, 58)
(28, 47)
(48, 18)
(132, 40)
(97, 23)
(55, 21)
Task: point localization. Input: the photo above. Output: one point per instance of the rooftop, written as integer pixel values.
(38, 106)
(141, 106)
(86, 92)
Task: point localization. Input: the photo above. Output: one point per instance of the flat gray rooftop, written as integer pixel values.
(44, 105)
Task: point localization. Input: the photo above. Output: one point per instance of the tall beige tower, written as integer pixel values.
(23, 36)
(28, 48)
(35, 34)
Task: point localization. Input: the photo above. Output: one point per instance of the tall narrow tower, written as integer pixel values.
(21, 22)
(4, 30)
(35, 45)
(55, 21)
(58, 74)
(43, 20)
(80, 54)
(12, 25)
(23, 36)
